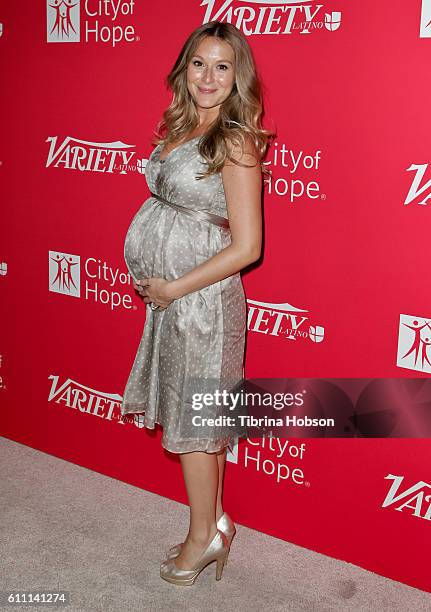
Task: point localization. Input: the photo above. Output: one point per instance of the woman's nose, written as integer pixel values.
(208, 76)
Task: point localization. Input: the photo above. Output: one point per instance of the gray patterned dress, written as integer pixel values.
(201, 334)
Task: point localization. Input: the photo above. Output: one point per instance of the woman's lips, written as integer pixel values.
(206, 91)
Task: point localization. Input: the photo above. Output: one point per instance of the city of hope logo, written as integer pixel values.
(98, 279)
(63, 20)
(99, 21)
(425, 23)
(414, 340)
(65, 273)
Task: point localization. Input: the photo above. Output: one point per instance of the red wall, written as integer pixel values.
(350, 99)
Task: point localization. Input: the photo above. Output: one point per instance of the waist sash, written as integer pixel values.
(199, 215)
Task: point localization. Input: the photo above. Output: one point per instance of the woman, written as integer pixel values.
(185, 249)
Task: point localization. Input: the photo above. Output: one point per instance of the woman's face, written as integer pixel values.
(211, 73)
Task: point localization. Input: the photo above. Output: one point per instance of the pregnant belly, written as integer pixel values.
(164, 243)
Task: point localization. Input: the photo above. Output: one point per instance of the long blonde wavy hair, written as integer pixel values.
(240, 114)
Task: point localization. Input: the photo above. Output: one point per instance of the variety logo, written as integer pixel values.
(414, 340)
(282, 320)
(425, 25)
(72, 394)
(93, 280)
(269, 17)
(417, 498)
(100, 21)
(3, 268)
(415, 188)
(86, 156)
(291, 187)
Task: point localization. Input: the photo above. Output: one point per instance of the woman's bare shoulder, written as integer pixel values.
(243, 152)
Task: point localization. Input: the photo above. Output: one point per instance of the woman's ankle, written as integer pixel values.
(203, 536)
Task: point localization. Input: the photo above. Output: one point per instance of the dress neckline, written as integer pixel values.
(162, 161)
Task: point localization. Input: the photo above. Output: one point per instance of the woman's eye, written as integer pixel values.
(199, 63)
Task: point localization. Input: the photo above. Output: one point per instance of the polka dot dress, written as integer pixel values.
(198, 336)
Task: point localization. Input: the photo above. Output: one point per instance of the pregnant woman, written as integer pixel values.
(185, 249)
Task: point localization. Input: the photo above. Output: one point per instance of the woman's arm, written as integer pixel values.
(243, 200)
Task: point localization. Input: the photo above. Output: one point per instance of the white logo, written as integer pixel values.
(84, 399)
(86, 156)
(64, 273)
(295, 165)
(99, 280)
(104, 21)
(414, 340)
(281, 320)
(425, 26)
(232, 455)
(415, 189)
(3, 268)
(63, 20)
(417, 498)
(270, 16)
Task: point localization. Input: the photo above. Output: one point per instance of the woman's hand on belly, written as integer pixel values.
(156, 290)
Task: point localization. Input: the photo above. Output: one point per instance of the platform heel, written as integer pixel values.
(216, 550)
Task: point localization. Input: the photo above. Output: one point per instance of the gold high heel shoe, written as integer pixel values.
(224, 524)
(216, 550)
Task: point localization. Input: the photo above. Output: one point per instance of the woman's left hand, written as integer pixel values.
(156, 290)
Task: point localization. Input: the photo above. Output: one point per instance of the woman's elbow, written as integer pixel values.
(255, 255)
(246, 253)
(251, 255)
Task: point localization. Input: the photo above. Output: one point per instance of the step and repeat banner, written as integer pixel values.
(342, 289)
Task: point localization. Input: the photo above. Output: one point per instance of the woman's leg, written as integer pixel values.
(201, 477)
(221, 459)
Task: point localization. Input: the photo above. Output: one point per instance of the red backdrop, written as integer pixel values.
(344, 277)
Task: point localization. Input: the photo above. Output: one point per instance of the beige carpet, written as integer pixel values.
(66, 527)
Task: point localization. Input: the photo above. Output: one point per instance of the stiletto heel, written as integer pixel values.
(216, 550)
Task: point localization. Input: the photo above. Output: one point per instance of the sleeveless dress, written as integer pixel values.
(200, 335)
